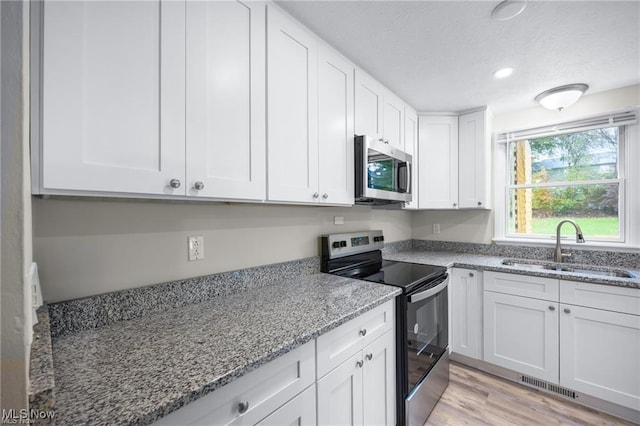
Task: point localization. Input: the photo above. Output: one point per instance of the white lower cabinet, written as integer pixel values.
(521, 334)
(300, 411)
(465, 291)
(361, 390)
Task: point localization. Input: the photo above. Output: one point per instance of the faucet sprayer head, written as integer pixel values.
(579, 238)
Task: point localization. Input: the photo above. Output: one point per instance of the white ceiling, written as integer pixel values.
(441, 55)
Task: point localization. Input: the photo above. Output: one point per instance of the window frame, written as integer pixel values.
(629, 193)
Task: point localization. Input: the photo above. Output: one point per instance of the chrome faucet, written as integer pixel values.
(558, 255)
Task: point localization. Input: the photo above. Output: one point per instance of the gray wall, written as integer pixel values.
(86, 247)
(15, 216)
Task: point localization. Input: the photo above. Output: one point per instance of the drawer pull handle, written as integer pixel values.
(369, 357)
(363, 332)
(359, 364)
(567, 310)
(471, 274)
(552, 308)
(243, 407)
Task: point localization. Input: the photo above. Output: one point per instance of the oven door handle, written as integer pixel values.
(429, 292)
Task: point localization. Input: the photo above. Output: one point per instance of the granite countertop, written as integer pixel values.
(494, 263)
(136, 371)
(41, 377)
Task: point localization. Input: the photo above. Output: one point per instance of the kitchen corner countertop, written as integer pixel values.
(493, 263)
(137, 371)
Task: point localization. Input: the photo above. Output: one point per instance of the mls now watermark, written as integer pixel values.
(24, 416)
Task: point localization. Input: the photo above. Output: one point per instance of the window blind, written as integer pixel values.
(608, 120)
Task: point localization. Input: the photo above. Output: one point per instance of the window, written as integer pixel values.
(572, 175)
(585, 170)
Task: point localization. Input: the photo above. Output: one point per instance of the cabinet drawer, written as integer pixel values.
(264, 389)
(341, 343)
(608, 297)
(522, 285)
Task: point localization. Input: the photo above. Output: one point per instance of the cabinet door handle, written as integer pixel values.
(325, 195)
(455, 204)
(359, 364)
(243, 407)
(479, 203)
(198, 186)
(369, 357)
(363, 332)
(567, 310)
(175, 183)
(552, 308)
(316, 195)
(471, 274)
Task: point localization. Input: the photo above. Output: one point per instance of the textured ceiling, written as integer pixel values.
(441, 55)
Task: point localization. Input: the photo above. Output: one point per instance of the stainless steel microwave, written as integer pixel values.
(383, 172)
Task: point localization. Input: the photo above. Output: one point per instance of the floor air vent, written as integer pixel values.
(532, 381)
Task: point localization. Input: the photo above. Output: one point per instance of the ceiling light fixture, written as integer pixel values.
(503, 73)
(508, 9)
(562, 96)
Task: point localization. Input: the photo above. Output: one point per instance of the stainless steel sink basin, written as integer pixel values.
(578, 269)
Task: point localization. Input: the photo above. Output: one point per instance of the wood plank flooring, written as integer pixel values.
(476, 398)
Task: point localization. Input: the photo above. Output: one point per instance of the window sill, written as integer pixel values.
(597, 246)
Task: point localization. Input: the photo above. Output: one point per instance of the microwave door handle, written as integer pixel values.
(429, 292)
(403, 169)
(408, 177)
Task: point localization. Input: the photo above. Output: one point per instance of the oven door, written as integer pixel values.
(427, 329)
(383, 172)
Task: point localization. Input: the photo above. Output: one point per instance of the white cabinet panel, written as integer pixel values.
(522, 285)
(368, 105)
(340, 394)
(474, 160)
(411, 147)
(335, 128)
(226, 99)
(300, 411)
(612, 298)
(113, 100)
(600, 354)
(292, 86)
(393, 116)
(521, 334)
(466, 312)
(378, 381)
(438, 160)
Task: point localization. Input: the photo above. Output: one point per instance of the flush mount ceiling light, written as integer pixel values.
(503, 73)
(508, 9)
(562, 96)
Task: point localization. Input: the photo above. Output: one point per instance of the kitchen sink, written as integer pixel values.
(578, 269)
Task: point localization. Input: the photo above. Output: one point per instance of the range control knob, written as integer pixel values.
(336, 244)
(343, 243)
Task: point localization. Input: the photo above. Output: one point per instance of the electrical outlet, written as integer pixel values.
(436, 228)
(196, 248)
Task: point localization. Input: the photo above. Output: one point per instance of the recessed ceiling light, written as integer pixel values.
(508, 9)
(503, 73)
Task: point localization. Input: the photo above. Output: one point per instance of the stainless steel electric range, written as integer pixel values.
(422, 371)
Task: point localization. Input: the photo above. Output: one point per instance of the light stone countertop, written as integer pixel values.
(136, 371)
(494, 263)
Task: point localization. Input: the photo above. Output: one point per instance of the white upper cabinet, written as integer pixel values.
(369, 105)
(335, 128)
(112, 97)
(379, 113)
(474, 161)
(292, 135)
(411, 147)
(226, 99)
(393, 115)
(438, 162)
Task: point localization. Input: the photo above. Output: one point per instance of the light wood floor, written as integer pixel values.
(477, 398)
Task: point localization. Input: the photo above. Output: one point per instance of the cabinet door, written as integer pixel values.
(113, 96)
(411, 147)
(340, 394)
(600, 354)
(226, 99)
(466, 313)
(369, 105)
(292, 102)
(438, 159)
(379, 381)
(300, 411)
(521, 334)
(393, 120)
(474, 161)
(335, 127)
